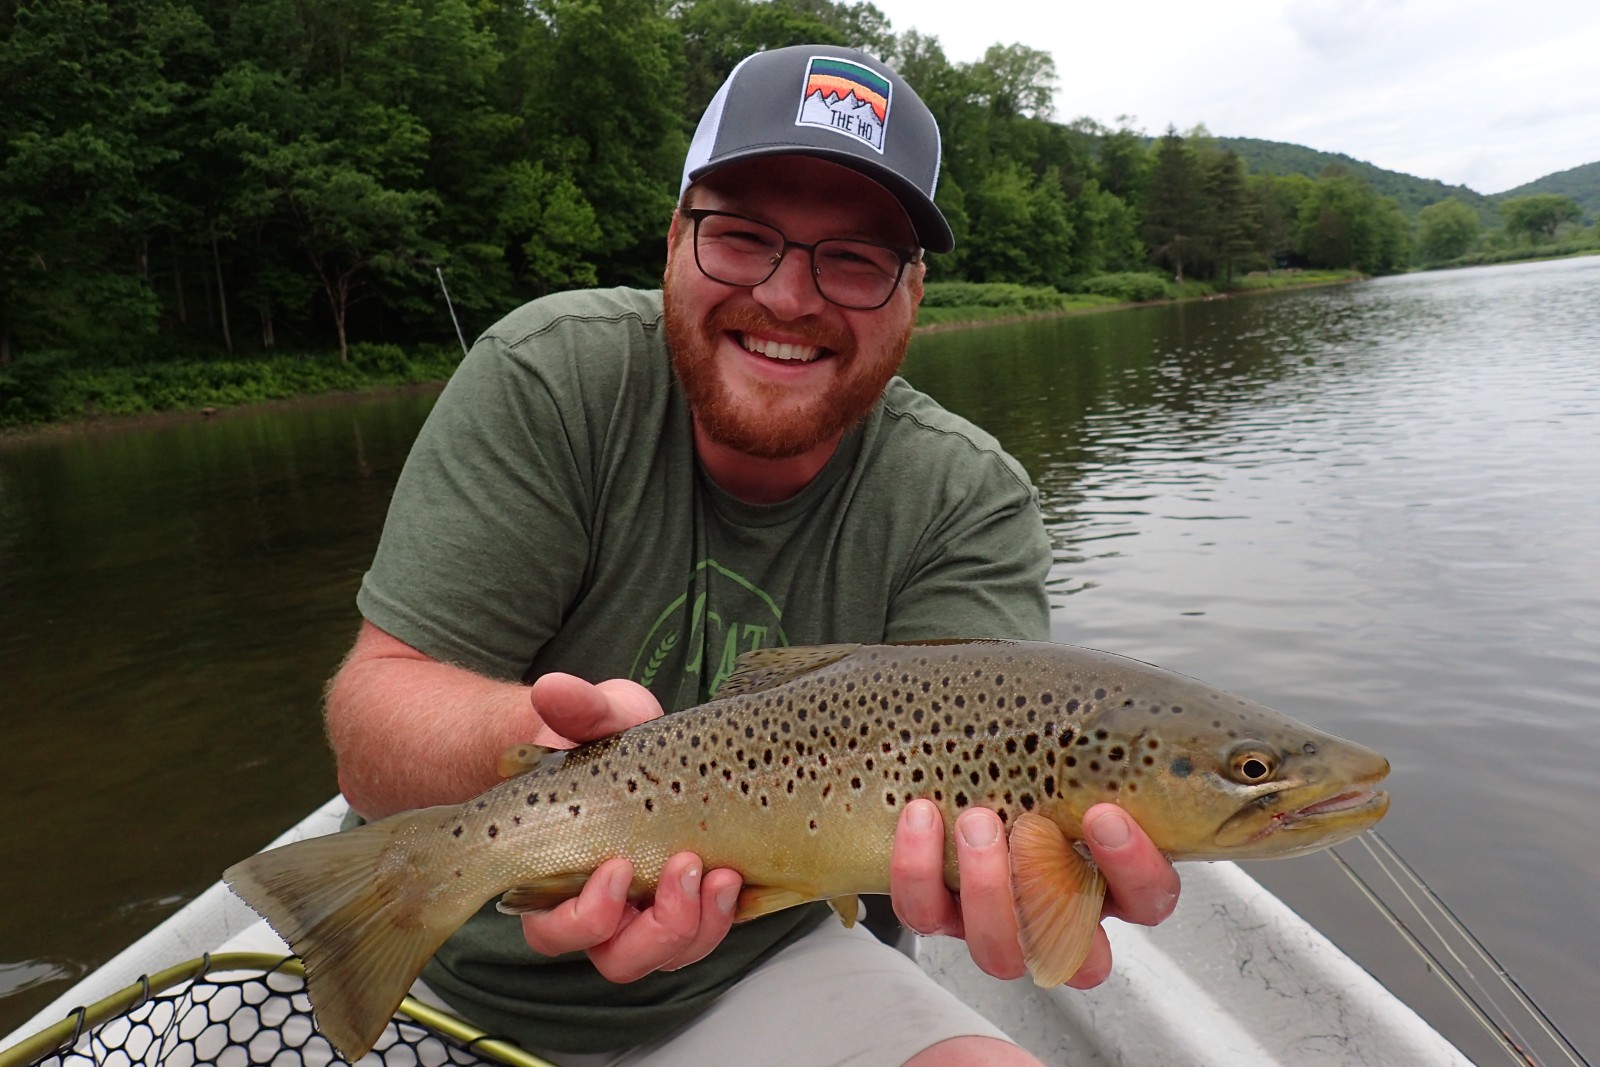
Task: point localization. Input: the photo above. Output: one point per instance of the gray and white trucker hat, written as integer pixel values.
(834, 103)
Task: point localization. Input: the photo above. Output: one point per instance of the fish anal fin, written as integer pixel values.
(525, 757)
(542, 895)
(848, 908)
(768, 668)
(1058, 897)
(758, 900)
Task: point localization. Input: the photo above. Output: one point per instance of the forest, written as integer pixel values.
(194, 180)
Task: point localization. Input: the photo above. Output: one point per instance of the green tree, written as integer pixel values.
(1277, 202)
(1538, 217)
(1344, 224)
(87, 97)
(1232, 221)
(1174, 205)
(1021, 231)
(1446, 230)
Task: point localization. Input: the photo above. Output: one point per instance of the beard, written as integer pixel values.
(770, 423)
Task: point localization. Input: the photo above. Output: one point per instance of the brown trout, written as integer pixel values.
(795, 774)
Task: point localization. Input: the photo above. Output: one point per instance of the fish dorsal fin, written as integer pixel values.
(525, 757)
(768, 668)
(1058, 895)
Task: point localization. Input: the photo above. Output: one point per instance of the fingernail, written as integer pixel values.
(978, 831)
(691, 880)
(621, 881)
(920, 817)
(727, 898)
(1110, 830)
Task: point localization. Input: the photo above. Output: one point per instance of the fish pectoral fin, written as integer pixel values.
(1058, 896)
(848, 908)
(525, 757)
(758, 900)
(542, 895)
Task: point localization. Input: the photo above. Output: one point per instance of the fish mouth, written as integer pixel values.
(1256, 832)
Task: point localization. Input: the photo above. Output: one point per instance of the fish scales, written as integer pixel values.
(795, 774)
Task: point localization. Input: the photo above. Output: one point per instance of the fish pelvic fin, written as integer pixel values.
(848, 908)
(758, 900)
(543, 894)
(1058, 897)
(360, 921)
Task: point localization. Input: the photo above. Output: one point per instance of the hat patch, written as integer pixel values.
(847, 98)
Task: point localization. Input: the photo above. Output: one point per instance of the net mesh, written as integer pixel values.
(259, 1018)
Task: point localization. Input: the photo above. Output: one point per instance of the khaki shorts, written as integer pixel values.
(836, 998)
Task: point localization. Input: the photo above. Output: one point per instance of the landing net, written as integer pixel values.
(244, 1009)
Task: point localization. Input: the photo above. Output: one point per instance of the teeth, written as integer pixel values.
(778, 350)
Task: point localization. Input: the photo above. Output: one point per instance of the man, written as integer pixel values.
(635, 487)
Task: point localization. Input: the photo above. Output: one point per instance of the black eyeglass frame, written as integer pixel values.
(695, 215)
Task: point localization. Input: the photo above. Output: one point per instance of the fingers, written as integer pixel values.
(1141, 884)
(593, 916)
(916, 873)
(689, 917)
(987, 910)
(983, 914)
(574, 710)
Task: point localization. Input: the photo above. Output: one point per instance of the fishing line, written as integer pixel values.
(1506, 1036)
(1521, 995)
(1433, 962)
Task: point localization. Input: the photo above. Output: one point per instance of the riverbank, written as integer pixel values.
(54, 392)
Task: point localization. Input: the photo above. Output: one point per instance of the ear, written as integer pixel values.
(916, 273)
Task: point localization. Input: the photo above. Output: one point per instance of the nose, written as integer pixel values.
(791, 293)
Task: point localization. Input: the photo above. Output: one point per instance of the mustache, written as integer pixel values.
(748, 319)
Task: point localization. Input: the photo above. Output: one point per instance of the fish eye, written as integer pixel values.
(1252, 765)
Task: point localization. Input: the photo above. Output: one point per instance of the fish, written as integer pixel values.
(794, 773)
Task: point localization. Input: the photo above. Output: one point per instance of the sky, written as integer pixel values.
(1489, 94)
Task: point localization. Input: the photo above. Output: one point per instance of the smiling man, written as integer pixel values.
(621, 491)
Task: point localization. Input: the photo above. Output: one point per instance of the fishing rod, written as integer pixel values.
(1422, 899)
(447, 303)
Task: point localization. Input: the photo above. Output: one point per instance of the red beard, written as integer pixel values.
(771, 425)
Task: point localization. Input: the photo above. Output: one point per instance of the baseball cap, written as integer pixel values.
(834, 103)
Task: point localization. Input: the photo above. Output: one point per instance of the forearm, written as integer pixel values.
(408, 731)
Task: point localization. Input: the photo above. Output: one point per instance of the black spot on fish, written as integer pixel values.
(994, 770)
(480, 805)
(649, 804)
(1181, 767)
(961, 800)
(1099, 694)
(494, 831)
(889, 798)
(457, 831)
(575, 809)
(1116, 754)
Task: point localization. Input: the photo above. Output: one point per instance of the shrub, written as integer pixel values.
(1131, 286)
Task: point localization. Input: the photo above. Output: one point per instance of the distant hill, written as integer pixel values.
(1410, 192)
(1580, 183)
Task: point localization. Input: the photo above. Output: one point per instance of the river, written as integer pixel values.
(1374, 506)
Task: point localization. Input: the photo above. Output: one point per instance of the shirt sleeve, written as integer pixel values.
(487, 535)
(983, 572)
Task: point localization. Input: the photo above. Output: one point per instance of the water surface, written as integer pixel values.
(1375, 506)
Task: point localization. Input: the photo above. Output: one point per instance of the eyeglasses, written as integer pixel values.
(734, 250)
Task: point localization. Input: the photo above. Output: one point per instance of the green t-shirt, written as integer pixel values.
(552, 517)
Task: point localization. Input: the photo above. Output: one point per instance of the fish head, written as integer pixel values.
(1231, 779)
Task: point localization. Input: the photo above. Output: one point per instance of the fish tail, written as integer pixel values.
(362, 923)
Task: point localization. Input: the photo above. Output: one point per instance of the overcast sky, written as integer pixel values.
(1483, 93)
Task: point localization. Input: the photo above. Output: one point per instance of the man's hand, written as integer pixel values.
(1141, 885)
(693, 908)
